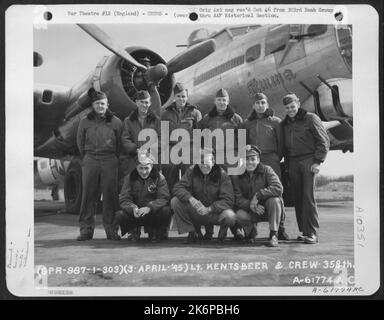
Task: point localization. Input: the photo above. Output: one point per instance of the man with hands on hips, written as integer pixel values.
(306, 144)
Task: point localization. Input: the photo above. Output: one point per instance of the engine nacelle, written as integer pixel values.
(52, 171)
(328, 99)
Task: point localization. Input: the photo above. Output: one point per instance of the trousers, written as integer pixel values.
(187, 217)
(303, 186)
(273, 213)
(99, 176)
(159, 220)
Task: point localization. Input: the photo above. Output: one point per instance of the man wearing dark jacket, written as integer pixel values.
(258, 194)
(306, 146)
(203, 196)
(180, 115)
(98, 141)
(222, 117)
(264, 131)
(139, 119)
(144, 200)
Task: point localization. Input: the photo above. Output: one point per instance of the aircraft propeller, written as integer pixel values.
(100, 36)
(191, 56)
(158, 72)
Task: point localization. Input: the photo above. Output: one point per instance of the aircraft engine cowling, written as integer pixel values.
(52, 171)
(333, 105)
(122, 80)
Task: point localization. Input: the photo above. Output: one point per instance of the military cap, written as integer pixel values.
(178, 88)
(96, 95)
(252, 150)
(287, 99)
(144, 157)
(260, 96)
(222, 93)
(142, 95)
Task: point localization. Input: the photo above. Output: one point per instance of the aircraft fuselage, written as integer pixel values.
(234, 68)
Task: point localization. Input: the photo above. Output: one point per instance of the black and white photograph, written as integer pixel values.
(206, 150)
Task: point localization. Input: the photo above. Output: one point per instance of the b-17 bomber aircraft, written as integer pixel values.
(313, 61)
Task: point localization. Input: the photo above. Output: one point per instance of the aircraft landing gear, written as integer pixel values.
(55, 192)
(73, 187)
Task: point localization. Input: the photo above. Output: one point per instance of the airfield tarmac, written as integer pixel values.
(171, 263)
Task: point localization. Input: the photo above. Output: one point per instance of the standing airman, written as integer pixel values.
(98, 141)
(264, 130)
(180, 115)
(306, 146)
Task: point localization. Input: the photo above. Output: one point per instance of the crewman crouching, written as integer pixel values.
(144, 200)
(258, 193)
(203, 196)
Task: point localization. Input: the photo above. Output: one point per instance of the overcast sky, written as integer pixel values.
(69, 54)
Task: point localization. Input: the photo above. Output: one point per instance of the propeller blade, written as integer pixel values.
(99, 35)
(191, 56)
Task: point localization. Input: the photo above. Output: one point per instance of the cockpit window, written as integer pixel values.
(317, 29)
(222, 38)
(199, 35)
(238, 31)
(253, 53)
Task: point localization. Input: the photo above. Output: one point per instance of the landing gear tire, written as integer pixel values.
(73, 188)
